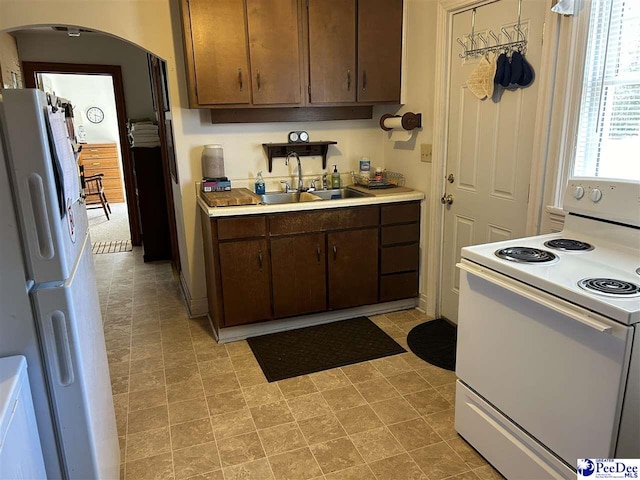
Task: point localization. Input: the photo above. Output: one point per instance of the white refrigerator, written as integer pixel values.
(49, 308)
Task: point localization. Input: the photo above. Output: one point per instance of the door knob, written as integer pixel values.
(446, 199)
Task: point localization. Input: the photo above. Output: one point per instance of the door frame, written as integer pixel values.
(31, 69)
(545, 75)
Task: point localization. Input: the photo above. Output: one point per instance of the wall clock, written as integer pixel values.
(95, 114)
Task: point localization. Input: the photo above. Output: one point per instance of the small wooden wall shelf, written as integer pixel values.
(302, 149)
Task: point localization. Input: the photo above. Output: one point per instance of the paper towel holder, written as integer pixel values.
(409, 121)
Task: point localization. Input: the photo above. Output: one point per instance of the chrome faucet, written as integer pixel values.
(286, 162)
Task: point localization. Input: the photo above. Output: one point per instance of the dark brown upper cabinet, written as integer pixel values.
(332, 51)
(219, 52)
(337, 58)
(274, 46)
(379, 50)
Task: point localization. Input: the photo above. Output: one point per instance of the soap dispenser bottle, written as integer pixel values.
(335, 178)
(260, 188)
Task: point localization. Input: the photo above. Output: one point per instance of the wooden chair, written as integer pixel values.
(94, 192)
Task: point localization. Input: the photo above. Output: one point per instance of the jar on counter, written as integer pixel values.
(379, 175)
(212, 161)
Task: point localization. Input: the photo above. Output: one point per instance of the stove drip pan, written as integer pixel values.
(525, 255)
(569, 245)
(610, 287)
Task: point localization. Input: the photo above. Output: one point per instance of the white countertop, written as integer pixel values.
(378, 197)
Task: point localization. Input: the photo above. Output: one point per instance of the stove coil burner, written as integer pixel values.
(525, 255)
(610, 287)
(568, 245)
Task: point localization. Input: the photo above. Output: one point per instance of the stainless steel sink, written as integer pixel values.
(338, 193)
(274, 198)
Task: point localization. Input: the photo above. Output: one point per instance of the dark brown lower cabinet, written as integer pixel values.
(282, 265)
(353, 268)
(299, 275)
(246, 288)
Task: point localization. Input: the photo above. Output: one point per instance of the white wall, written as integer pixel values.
(419, 78)
(85, 91)
(9, 62)
(58, 47)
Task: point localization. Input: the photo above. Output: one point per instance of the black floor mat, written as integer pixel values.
(435, 343)
(321, 347)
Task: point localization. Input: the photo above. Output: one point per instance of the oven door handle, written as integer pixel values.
(538, 297)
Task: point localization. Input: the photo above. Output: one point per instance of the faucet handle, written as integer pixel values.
(287, 186)
(313, 184)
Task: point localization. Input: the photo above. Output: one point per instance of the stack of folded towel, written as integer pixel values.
(143, 134)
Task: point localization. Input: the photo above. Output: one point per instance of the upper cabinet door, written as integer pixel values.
(220, 56)
(332, 51)
(275, 51)
(379, 50)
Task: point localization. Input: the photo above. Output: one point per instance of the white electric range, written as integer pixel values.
(548, 355)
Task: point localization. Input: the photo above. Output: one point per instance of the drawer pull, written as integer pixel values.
(318, 252)
(260, 259)
(258, 81)
(349, 80)
(95, 163)
(364, 80)
(335, 252)
(240, 83)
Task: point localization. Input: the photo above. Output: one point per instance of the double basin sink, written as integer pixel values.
(273, 198)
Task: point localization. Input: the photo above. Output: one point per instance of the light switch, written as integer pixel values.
(425, 152)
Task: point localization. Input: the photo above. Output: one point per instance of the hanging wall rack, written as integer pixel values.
(479, 44)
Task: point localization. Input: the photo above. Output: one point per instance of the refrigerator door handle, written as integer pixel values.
(61, 350)
(40, 217)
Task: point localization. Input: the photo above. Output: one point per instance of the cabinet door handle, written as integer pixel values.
(258, 80)
(335, 252)
(260, 259)
(318, 252)
(240, 83)
(349, 80)
(364, 80)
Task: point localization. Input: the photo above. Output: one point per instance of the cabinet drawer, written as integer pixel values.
(399, 259)
(392, 235)
(99, 163)
(398, 286)
(401, 213)
(241, 227)
(323, 220)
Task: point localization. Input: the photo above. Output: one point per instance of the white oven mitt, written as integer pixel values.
(477, 82)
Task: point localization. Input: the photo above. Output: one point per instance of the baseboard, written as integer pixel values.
(422, 305)
(232, 334)
(196, 307)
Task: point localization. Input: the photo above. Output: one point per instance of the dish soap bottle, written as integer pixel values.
(335, 178)
(260, 189)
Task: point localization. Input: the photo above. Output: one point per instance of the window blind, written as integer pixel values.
(608, 140)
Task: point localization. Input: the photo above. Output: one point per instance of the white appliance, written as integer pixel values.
(20, 450)
(49, 309)
(548, 355)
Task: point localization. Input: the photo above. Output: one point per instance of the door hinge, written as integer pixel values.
(528, 193)
(544, 27)
(307, 3)
(309, 91)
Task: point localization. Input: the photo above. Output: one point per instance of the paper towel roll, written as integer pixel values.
(393, 123)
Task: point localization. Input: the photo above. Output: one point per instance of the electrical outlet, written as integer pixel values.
(425, 152)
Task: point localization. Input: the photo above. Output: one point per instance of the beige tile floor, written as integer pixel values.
(187, 407)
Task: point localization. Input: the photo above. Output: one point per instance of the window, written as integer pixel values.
(608, 136)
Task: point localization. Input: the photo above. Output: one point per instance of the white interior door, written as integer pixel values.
(489, 145)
